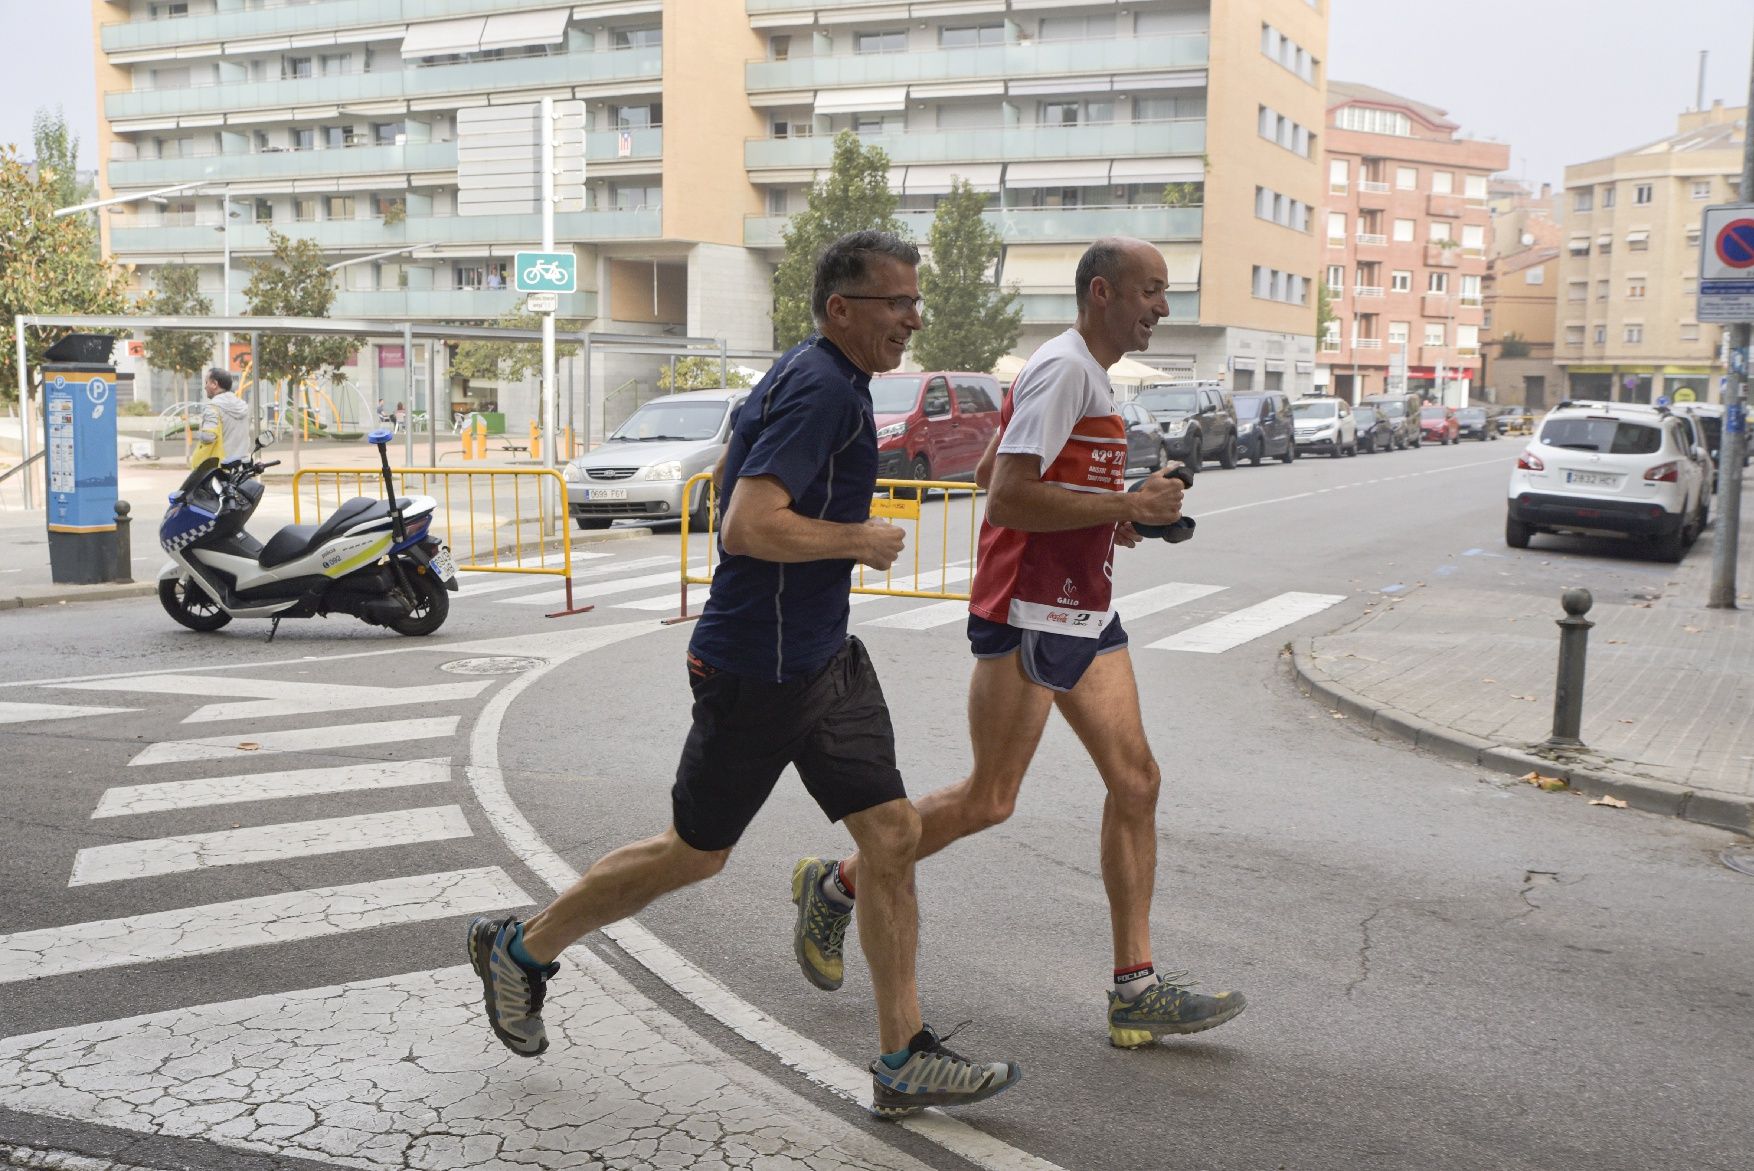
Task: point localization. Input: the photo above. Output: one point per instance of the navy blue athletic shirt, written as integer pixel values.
(807, 423)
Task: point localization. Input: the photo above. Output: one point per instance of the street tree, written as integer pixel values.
(296, 282)
(854, 196)
(511, 361)
(177, 293)
(1324, 311)
(47, 265)
(57, 151)
(970, 322)
(699, 372)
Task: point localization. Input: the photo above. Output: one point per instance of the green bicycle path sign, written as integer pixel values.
(546, 272)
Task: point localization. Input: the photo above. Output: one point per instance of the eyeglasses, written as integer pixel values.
(900, 302)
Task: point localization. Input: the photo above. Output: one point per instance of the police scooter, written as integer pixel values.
(373, 559)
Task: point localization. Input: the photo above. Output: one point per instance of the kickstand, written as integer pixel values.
(273, 627)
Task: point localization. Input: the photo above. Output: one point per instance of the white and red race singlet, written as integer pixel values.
(1061, 410)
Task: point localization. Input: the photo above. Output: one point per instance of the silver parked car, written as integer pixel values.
(640, 470)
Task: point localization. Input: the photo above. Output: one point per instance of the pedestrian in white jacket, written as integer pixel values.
(225, 422)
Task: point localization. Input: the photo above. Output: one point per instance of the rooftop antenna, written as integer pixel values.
(1699, 94)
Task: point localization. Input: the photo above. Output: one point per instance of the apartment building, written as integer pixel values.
(1516, 334)
(1075, 118)
(1628, 324)
(1407, 232)
(705, 125)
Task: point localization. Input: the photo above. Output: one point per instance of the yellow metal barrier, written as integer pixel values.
(899, 501)
(472, 503)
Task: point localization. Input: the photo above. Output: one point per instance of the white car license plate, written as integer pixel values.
(1592, 479)
(443, 566)
(605, 493)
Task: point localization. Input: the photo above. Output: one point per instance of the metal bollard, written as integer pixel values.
(124, 567)
(1574, 637)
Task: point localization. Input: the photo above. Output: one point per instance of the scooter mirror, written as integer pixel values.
(381, 436)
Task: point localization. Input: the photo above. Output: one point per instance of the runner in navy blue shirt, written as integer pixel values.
(778, 682)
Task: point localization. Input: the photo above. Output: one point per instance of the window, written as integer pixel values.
(1099, 111)
(294, 67)
(638, 38)
(1287, 53)
(1076, 28)
(1634, 334)
(1643, 193)
(1162, 109)
(1584, 200)
(776, 201)
(262, 211)
(1599, 335)
(170, 11)
(1690, 331)
(336, 137)
(383, 205)
(786, 129)
(339, 207)
(1434, 333)
(1470, 288)
(1574, 335)
(1608, 196)
(779, 47)
(640, 117)
(1690, 285)
(1693, 236)
(1407, 178)
(1338, 173)
(1535, 276)
(1467, 337)
(303, 138)
(1336, 227)
(1277, 128)
(1437, 282)
(1373, 121)
(1442, 182)
(1283, 210)
(1057, 114)
(1438, 231)
(1601, 290)
(633, 197)
(1398, 333)
(1474, 237)
(1577, 291)
(1702, 188)
(1401, 280)
(389, 133)
(1336, 278)
(883, 42)
(1638, 241)
(1474, 187)
(970, 35)
(1403, 231)
(1635, 289)
(335, 64)
(1272, 285)
(867, 125)
(304, 208)
(171, 78)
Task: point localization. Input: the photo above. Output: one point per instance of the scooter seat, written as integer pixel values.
(295, 541)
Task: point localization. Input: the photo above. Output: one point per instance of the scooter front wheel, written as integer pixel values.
(432, 605)
(189, 605)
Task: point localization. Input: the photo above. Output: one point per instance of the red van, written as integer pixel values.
(933, 425)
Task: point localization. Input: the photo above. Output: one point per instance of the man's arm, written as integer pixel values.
(209, 423)
(761, 523)
(1018, 499)
(983, 471)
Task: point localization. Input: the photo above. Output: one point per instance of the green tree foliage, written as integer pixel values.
(855, 196)
(1184, 194)
(296, 282)
(57, 150)
(47, 265)
(1324, 310)
(1513, 345)
(970, 323)
(511, 361)
(177, 294)
(699, 373)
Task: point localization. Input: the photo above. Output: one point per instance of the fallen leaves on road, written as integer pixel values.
(1610, 802)
(1489, 681)
(1616, 642)
(1545, 783)
(1628, 721)
(1524, 698)
(1692, 629)
(1339, 715)
(248, 746)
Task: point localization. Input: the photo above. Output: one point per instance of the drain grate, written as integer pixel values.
(1740, 858)
(492, 665)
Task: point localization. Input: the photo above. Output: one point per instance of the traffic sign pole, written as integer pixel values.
(1735, 436)
(550, 416)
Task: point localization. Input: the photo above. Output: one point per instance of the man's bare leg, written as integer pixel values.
(889, 915)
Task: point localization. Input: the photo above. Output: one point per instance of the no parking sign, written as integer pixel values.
(1726, 263)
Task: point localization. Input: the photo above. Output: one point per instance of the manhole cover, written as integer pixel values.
(1739, 858)
(492, 665)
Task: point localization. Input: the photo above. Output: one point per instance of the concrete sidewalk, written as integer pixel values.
(1668, 708)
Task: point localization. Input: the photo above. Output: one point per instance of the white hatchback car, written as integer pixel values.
(1324, 423)
(1616, 469)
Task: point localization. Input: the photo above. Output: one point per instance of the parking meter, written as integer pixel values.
(79, 442)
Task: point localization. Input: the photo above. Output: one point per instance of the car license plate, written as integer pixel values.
(605, 493)
(443, 566)
(1592, 479)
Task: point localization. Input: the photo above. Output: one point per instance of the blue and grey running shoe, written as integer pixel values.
(821, 926)
(1168, 1007)
(513, 991)
(934, 1076)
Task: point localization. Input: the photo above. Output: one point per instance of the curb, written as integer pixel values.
(1718, 810)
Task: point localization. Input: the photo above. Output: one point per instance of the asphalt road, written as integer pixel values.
(1445, 968)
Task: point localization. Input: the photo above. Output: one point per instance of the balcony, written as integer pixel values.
(505, 232)
(1373, 194)
(481, 77)
(1367, 291)
(135, 35)
(1030, 225)
(1367, 343)
(1060, 308)
(1470, 302)
(1373, 239)
(1373, 186)
(448, 304)
(1437, 256)
(601, 146)
(1336, 241)
(998, 62)
(1331, 345)
(998, 144)
(1447, 356)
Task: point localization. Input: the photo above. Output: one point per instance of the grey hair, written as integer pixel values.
(846, 263)
(222, 377)
(1106, 258)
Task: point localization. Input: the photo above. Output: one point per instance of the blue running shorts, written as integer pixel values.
(1054, 661)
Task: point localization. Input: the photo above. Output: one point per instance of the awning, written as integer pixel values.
(1605, 240)
(935, 180)
(515, 30)
(1062, 85)
(1579, 243)
(1042, 268)
(439, 37)
(1638, 237)
(1183, 263)
(871, 100)
(1065, 173)
(1156, 171)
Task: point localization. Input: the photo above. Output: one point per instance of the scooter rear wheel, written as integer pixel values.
(184, 601)
(432, 605)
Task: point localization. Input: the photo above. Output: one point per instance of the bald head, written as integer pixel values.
(1113, 258)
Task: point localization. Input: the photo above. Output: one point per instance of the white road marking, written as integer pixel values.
(30, 713)
(266, 843)
(697, 595)
(923, 617)
(276, 697)
(298, 740)
(254, 922)
(1145, 603)
(929, 579)
(600, 589)
(126, 800)
(1498, 463)
(1247, 624)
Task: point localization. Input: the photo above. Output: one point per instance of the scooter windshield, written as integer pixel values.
(199, 476)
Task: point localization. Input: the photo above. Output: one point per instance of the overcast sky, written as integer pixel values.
(1560, 81)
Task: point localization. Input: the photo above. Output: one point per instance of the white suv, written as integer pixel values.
(1621, 469)
(1324, 423)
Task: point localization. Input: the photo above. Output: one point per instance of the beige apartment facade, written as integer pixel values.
(1516, 339)
(1628, 316)
(1406, 230)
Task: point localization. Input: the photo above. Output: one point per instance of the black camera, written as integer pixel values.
(1182, 529)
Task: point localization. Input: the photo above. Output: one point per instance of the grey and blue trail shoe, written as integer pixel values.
(821, 926)
(513, 991)
(934, 1076)
(1168, 1007)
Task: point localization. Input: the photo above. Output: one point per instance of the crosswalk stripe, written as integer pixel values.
(27, 713)
(697, 596)
(1161, 597)
(923, 617)
(527, 581)
(253, 922)
(266, 843)
(272, 698)
(939, 579)
(1247, 624)
(126, 800)
(600, 589)
(298, 740)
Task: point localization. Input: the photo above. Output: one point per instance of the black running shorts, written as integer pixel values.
(834, 726)
(1054, 661)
